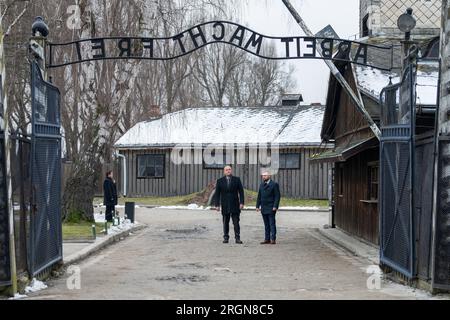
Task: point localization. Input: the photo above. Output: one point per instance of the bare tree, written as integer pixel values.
(259, 82)
(102, 100)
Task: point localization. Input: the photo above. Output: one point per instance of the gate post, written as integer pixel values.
(441, 206)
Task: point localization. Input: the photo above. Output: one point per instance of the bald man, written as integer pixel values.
(267, 203)
(229, 198)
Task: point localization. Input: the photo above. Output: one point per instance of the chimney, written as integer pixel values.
(290, 100)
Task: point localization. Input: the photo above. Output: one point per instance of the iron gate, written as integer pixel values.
(396, 174)
(46, 230)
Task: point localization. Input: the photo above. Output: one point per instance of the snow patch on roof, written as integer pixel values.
(228, 126)
(373, 81)
(304, 128)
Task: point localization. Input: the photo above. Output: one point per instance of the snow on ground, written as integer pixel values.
(99, 217)
(35, 286)
(125, 224)
(196, 207)
(120, 206)
(18, 296)
(302, 208)
(192, 206)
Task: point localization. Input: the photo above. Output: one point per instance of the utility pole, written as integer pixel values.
(441, 214)
(334, 70)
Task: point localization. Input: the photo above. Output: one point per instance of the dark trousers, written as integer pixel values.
(226, 226)
(270, 227)
(109, 213)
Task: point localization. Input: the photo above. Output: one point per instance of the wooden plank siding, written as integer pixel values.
(351, 213)
(308, 182)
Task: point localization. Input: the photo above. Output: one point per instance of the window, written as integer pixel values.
(365, 26)
(432, 50)
(150, 166)
(215, 161)
(289, 160)
(373, 181)
(341, 180)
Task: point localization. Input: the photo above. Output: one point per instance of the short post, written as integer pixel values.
(106, 227)
(94, 232)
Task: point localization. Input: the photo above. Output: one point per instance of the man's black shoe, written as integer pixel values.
(225, 241)
(239, 242)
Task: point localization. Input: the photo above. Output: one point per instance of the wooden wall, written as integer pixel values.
(351, 213)
(308, 182)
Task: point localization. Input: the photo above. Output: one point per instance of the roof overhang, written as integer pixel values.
(342, 154)
(225, 145)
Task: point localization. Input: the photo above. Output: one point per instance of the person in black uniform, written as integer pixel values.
(229, 196)
(109, 196)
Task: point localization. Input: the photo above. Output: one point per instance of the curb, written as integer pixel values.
(358, 248)
(299, 209)
(93, 248)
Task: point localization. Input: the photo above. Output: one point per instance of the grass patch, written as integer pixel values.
(252, 196)
(80, 231)
(250, 201)
(157, 201)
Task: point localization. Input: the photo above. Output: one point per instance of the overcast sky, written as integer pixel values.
(270, 17)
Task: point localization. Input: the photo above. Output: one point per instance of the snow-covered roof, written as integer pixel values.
(372, 81)
(298, 126)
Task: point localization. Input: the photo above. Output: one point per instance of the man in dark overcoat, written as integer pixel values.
(229, 198)
(109, 196)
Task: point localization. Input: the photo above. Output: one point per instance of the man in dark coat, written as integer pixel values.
(267, 203)
(109, 196)
(229, 196)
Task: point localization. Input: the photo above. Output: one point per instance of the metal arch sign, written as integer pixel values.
(188, 41)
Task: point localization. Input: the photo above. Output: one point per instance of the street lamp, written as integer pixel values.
(39, 27)
(406, 23)
(38, 42)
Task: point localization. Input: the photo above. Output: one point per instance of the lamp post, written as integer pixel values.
(38, 41)
(406, 23)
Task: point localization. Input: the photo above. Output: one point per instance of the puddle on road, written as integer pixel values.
(195, 230)
(184, 233)
(188, 266)
(183, 278)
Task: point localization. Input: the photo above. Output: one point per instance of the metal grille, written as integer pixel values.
(21, 185)
(396, 168)
(423, 196)
(46, 233)
(441, 278)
